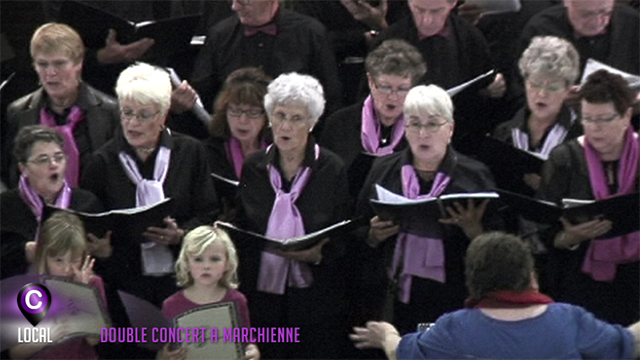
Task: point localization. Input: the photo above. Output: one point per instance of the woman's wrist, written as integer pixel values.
(565, 241)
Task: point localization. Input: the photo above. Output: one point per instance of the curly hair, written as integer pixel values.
(396, 57)
(552, 56)
(195, 243)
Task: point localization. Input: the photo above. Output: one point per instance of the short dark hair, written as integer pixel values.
(396, 57)
(497, 261)
(243, 86)
(603, 87)
(29, 135)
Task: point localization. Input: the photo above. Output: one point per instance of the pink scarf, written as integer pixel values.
(148, 191)
(603, 256)
(285, 222)
(235, 154)
(34, 202)
(70, 148)
(370, 134)
(421, 256)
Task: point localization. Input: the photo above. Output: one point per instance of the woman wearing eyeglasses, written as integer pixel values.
(600, 275)
(376, 126)
(238, 128)
(85, 117)
(550, 67)
(428, 272)
(42, 164)
(293, 188)
(142, 165)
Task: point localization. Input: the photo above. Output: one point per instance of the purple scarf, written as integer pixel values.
(70, 148)
(34, 202)
(147, 191)
(285, 222)
(235, 154)
(371, 131)
(421, 256)
(603, 256)
(554, 138)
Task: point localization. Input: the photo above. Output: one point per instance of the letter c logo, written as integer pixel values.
(27, 299)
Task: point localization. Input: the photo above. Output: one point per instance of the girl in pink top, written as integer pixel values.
(206, 269)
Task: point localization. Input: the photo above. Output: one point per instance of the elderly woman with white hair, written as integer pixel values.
(142, 165)
(290, 189)
(550, 67)
(424, 277)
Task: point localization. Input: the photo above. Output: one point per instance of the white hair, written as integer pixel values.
(145, 84)
(428, 100)
(297, 89)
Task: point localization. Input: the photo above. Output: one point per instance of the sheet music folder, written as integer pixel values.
(294, 244)
(171, 35)
(126, 223)
(509, 164)
(419, 216)
(622, 210)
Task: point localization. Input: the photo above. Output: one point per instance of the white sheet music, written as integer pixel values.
(595, 65)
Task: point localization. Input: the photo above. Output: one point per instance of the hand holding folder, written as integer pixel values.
(421, 216)
(622, 210)
(170, 35)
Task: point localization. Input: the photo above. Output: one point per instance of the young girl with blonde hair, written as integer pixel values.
(206, 269)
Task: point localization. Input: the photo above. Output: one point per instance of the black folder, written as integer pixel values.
(171, 35)
(358, 171)
(420, 217)
(125, 223)
(508, 164)
(225, 186)
(294, 244)
(622, 210)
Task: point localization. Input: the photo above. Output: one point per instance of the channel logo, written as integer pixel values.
(34, 301)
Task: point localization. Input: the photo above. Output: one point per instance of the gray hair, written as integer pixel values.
(552, 56)
(396, 57)
(429, 100)
(145, 84)
(296, 89)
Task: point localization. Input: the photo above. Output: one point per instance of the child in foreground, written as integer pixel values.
(206, 269)
(62, 251)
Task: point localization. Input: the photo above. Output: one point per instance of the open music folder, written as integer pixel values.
(622, 210)
(420, 216)
(293, 244)
(127, 223)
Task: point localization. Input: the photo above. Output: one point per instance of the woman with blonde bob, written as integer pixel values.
(206, 270)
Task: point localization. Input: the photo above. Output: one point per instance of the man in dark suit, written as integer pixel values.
(264, 34)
